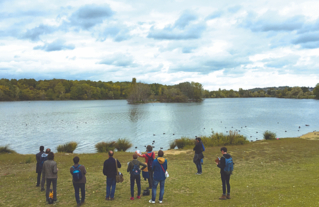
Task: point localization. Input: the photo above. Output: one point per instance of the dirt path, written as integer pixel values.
(175, 152)
(311, 136)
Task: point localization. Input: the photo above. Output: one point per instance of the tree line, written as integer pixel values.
(134, 92)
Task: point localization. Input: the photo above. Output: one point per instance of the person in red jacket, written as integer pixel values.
(149, 157)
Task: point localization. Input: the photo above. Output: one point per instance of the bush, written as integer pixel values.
(123, 145)
(172, 145)
(68, 147)
(183, 142)
(6, 149)
(105, 146)
(28, 160)
(268, 135)
(215, 139)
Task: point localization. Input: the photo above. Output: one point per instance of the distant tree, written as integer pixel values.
(316, 91)
(139, 94)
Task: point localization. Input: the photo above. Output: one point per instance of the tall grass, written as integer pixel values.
(6, 149)
(68, 147)
(123, 145)
(215, 139)
(268, 135)
(105, 146)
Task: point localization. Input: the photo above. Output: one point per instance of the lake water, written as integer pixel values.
(27, 125)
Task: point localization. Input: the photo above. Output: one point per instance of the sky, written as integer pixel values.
(221, 44)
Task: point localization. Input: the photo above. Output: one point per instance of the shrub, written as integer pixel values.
(183, 142)
(68, 147)
(28, 160)
(105, 146)
(123, 145)
(172, 145)
(268, 135)
(6, 149)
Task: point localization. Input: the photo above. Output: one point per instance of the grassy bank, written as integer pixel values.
(267, 173)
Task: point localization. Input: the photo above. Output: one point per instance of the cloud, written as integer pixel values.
(183, 28)
(281, 62)
(118, 59)
(56, 45)
(34, 33)
(234, 9)
(272, 21)
(184, 20)
(90, 15)
(117, 32)
(214, 15)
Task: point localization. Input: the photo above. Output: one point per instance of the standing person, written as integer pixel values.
(134, 169)
(38, 170)
(78, 172)
(198, 155)
(226, 166)
(50, 171)
(149, 157)
(109, 169)
(159, 168)
(43, 158)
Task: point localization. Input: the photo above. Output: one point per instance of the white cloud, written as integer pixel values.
(244, 44)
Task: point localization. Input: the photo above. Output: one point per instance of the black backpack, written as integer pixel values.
(77, 174)
(136, 170)
(150, 160)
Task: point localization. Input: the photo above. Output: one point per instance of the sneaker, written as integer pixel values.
(160, 201)
(107, 198)
(138, 197)
(132, 198)
(198, 173)
(150, 201)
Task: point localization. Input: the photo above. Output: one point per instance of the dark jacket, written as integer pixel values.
(198, 148)
(38, 157)
(83, 172)
(222, 163)
(109, 167)
(159, 167)
(135, 162)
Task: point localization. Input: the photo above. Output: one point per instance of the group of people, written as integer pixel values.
(47, 167)
(156, 167)
(225, 163)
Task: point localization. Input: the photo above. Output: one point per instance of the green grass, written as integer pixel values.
(6, 149)
(266, 173)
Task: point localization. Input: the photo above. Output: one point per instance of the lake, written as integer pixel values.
(27, 125)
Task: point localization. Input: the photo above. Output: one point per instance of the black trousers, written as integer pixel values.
(54, 184)
(150, 178)
(225, 180)
(38, 178)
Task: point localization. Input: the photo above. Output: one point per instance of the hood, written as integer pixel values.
(161, 160)
(227, 156)
(44, 155)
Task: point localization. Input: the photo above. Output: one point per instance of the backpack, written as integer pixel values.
(203, 146)
(229, 166)
(136, 170)
(150, 160)
(50, 200)
(77, 174)
(42, 160)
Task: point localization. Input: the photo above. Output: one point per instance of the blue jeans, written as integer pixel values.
(110, 182)
(138, 183)
(77, 187)
(155, 183)
(199, 167)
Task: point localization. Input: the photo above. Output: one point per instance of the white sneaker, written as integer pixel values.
(160, 201)
(150, 201)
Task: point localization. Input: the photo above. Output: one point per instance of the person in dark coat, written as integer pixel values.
(135, 176)
(224, 176)
(79, 184)
(109, 170)
(198, 155)
(38, 170)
